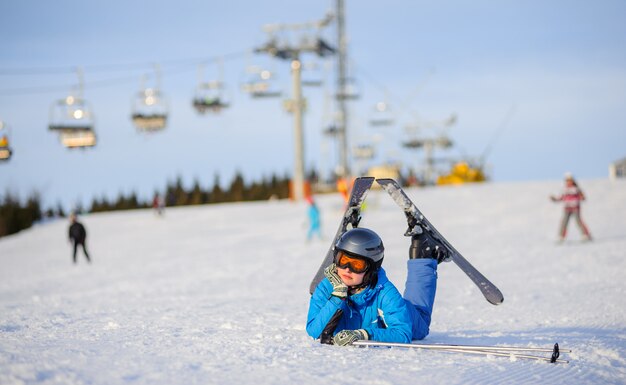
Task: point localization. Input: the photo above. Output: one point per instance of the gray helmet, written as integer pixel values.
(363, 243)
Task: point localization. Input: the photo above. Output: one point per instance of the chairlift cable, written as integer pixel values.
(115, 66)
(401, 107)
(503, 124)
(89, 85)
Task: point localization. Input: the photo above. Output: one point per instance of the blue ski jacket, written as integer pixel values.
(380, 310)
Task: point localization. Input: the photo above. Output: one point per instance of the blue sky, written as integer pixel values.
(559, 66)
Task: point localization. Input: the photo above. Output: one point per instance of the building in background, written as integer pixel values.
(617, 169)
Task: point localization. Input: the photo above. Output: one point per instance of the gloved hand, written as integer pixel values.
(347, 337)
(340, 289)
(425, 246)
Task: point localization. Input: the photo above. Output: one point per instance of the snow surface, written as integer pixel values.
(218, 294)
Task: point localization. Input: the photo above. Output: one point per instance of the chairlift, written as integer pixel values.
(73, 119)
(5, 149)
(150, 111)
(382, 115)
(363, 151)
(71, 113)
(5, 154)
(443, 141)
(413, 143)
(350, 91)
(209, 96)
(261, 83)
(72, 116)
(311, 75)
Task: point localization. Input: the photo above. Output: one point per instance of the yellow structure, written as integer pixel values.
(461, 173)
(385, 171)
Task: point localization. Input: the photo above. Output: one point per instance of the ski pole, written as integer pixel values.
(503, 354)
(506, 351)
(459, 347)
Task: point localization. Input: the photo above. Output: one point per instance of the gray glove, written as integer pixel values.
(340, 289)
(347, 337)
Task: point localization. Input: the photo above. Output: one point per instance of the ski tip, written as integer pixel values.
(496, 302)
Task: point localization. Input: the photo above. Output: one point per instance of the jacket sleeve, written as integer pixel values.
(322, 307)
(394, 320)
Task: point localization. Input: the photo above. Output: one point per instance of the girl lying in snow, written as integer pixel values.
(356, 301)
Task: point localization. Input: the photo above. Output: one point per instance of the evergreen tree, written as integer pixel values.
(133, 202)
(33, 209)
(237, 189)
(60, 212)
(257, 191)
(180, 195)
(196, 195)
(217, 195)
(96, 206)
(14, 217)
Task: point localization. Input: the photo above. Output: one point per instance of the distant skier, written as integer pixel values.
(356, 301)
(158, 204)
(572, 196)
(314, 219)
(78, 236)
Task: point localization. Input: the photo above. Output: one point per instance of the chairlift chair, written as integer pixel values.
(351, 90)
(5, 149)
(261, 84)
(71, 113)
(73, 119)
(311, 75)
(443, 141)
(382, 115)
(363, 151)
(5, 154)
(413, 143)
(209, 97)
(149, 110)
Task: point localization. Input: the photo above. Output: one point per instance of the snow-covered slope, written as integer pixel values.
(219, 294)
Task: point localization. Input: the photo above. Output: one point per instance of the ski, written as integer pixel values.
(418, 223)
(351, 217)
(503, 351)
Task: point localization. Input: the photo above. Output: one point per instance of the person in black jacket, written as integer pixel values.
(78, 235)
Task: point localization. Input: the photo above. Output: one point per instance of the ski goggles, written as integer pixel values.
(356, 265)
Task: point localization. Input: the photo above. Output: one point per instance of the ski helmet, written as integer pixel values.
(366, 244)
(363, 243)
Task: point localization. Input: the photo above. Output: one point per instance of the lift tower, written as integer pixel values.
(286, 50)
(341, 92)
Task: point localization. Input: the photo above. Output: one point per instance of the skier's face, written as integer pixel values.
(349, 277)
